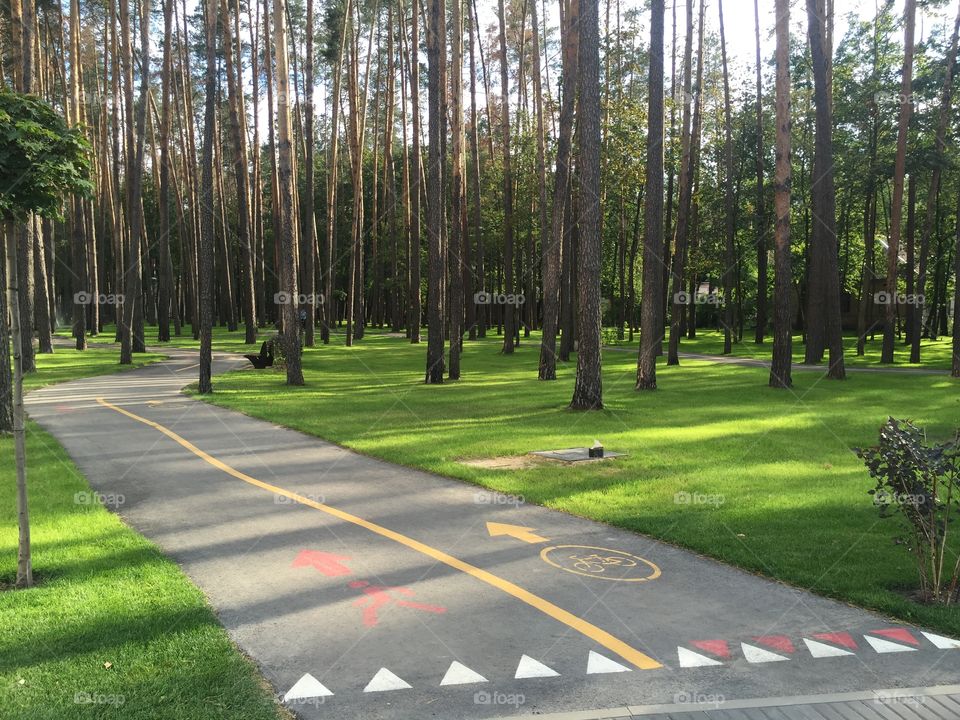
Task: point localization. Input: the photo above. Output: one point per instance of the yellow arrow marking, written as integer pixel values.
(515, 531)
(602, 637)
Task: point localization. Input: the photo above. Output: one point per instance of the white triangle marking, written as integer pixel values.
(944, 643)
(598, 664)
(306, 687)
(385, 680)
(759, 655)
(460, 674)
(885, 646)
(688, 658)
(821, 650)
(530, 668)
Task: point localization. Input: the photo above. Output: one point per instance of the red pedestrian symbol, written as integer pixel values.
(377, 596)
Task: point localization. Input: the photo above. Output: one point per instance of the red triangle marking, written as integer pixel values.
(838, 638)
(898, 634)
(717, 647)
(777, 642)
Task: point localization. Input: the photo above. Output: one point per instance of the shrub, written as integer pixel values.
(921, 484)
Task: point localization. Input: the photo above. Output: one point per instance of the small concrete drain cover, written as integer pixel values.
(572, 455)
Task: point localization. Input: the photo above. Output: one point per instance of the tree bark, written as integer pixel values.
(553, 251)
(651, 325)
(781, 366)
(509, 310)
(588, 388)
(287, 244)
(899, 171)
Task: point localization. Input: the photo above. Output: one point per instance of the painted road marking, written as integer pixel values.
(598, 664)
(780, 643)
(944, 643)
(378, 596)
(519, 532)
(898, 634)
(688, 659)
(460, 674)
(601, 637)
(307, 687)
(753, 654)
(885, 646)
(384, 681)
(329, 564)
(530, 668)
(838, 638)
(822, 650)
(717, 647)
(602, 563)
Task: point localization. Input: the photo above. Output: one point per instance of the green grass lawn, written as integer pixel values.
(791, 496)
(113, 629)
(937, 354)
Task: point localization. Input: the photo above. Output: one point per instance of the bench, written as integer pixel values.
(264, 359)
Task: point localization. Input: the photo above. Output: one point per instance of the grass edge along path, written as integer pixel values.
(113, 628)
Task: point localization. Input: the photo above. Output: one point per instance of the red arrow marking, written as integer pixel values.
(777, 642)
(897, 634)
(717, 647)
(329, 564)
(839, 638)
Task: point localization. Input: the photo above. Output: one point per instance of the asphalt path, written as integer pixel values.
(369, 590)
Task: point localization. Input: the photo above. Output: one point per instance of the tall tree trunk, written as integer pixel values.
(165, 288)
(287, 244)
(205, 271)
(940, 147)
(459, 240)
(687, 172)
(553, 251)
(899, 171)
(824, 287)
(759, 211)
(651, 324)
(435, 90)
(588, 388)
(508, 250)
(730, 256)
(416, 172)
(781, 366)
(246, 293)
(479, 281)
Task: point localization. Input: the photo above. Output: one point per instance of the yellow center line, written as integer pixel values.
(602, 637)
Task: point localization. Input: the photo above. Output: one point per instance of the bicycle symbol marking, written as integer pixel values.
(601, 563)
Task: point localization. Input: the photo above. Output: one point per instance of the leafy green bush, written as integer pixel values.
(921, 483)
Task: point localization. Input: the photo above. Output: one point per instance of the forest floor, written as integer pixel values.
(111, 618)
(716, 461)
